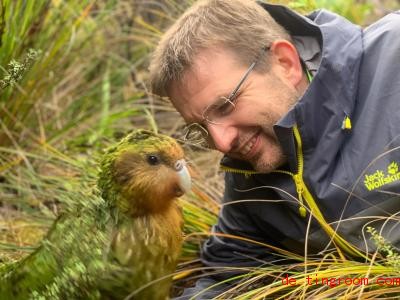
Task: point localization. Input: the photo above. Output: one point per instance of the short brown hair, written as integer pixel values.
(240, 25)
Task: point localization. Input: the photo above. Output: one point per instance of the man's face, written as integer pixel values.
(247, 132)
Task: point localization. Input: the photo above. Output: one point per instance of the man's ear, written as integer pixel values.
(286, 62)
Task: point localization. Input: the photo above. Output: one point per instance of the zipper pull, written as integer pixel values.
(346, 125)
(299, 189)
(302, 211)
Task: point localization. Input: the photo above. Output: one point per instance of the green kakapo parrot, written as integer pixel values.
(123, 242)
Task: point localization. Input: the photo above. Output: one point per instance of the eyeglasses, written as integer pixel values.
(196, 133)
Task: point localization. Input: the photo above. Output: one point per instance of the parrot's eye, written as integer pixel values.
(153, 160)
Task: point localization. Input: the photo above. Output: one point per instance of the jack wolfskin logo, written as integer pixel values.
(393, 168)
(380, 178)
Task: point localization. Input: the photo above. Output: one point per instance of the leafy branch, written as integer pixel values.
(16, 70)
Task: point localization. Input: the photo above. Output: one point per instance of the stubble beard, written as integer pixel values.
(277, 159)
(267, 166)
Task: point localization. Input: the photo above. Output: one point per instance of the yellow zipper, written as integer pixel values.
(237, 171)
(295, 177)
(305, 195)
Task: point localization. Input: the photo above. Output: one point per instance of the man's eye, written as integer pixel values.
(225, 108)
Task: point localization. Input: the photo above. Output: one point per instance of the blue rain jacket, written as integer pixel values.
(342, 140)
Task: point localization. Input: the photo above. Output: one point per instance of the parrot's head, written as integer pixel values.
(143, 173)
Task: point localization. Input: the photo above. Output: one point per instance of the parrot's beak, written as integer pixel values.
(185, 181)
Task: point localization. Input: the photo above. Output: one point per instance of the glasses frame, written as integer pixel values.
(230, 99)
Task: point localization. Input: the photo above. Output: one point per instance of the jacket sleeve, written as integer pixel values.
(223, 254)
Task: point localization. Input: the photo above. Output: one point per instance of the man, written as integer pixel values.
(307, 113)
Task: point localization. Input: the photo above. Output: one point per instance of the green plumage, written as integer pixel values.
(123, 242)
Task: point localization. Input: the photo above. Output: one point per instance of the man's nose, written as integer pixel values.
(222, 137)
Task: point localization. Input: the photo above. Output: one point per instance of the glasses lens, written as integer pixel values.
(220, 109)
(196, 134)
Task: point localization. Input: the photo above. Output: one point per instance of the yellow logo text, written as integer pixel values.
(381, 178)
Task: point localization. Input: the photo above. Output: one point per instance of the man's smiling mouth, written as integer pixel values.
(250, 147)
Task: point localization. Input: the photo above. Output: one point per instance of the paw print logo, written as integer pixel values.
(393, 168)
